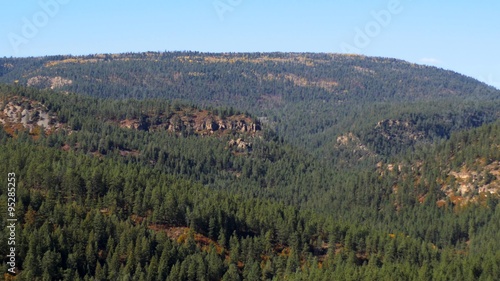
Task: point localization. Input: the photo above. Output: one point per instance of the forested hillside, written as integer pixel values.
(262, 166)
(166, 190)
(309, 99)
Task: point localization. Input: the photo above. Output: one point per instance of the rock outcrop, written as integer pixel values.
(48, 82)
(201, 122)
(24, 114)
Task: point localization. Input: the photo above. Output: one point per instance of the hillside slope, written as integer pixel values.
(189, 166)
(99, 198)
(310, 99)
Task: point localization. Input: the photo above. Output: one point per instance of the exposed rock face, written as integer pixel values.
(460, 187)
(403, 129)
(211, 125)
(352, 142)
(21, 113)
(240, 144)
(390, 123)
(48, 82)
(469, 184)
(200, 122)
(129, 124)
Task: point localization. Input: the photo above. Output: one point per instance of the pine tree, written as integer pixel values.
(252, 271)
(231, 274)
(215, 265)
(234, 247)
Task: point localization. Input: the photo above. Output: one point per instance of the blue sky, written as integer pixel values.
(463, 36)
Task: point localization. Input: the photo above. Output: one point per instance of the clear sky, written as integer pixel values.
(459, 35)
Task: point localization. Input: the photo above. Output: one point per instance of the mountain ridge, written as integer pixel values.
(312, 98)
